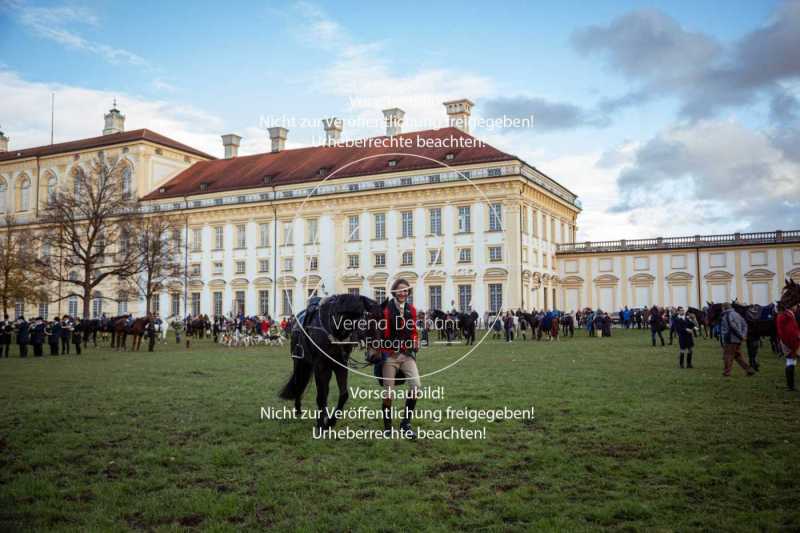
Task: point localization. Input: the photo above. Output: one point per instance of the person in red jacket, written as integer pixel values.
(400, 346)
(789, 334)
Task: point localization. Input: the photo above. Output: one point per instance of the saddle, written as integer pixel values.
(753, 312)
(308, 317)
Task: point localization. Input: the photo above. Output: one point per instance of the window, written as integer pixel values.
(495, 217)
(313, 263)
(407, 259)
(77, 183)
(19, 308)
(352, 261)
(435, 297)
(571, 266)
(288, 233)
(758, 258)
(641, 263)
(465, 255)
(677, 262)
(176, 238)
(434, 179)
(464, 298)
(434, 257)
(524, 215)
(263, 235)
(263, 265)
(241, 236)
(51, 189)
(218, 267)
(535, 218)
(288, 264)
(380, 226)
(352, 228)
(552, 229)
(312, 236)
(195, 270)
(72, 306)
(263, 303)
(217, 304)
(25, 194)
(717, 260)
(287, 301)
(219, 237)
(195, 304)
(97, 305)
(126, 183)
(435, 215)
(380, 260)
(495, 254)
(464, 222)
(352, 187)
(43, 308)
(380, 184)
(3, 193)
(155, 304)
(380, 294)
(240, 267)
(525, 254)
(407, 224)
(405, 182)
(197, 239)
(239, 302)
(175, 301)
(495, 297)
(354, 291)
(494, 172)
(605, 265)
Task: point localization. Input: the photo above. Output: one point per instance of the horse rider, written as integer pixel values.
(399, 354)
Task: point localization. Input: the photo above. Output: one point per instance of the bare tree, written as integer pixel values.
(160, 258)
(90, 224)
(17, 278)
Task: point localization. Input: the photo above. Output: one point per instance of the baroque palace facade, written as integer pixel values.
(469, 226)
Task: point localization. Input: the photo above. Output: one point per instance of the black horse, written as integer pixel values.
(444, 324)
(701, 318)
(466, 322)
(324, 346)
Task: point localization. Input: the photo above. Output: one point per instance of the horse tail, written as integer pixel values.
(298, 381)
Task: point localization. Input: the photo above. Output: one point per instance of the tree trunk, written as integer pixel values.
(87, 302)
(147, 304)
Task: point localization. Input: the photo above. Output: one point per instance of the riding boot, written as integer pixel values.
(789, 377)
(681, 360)
(387, 420)
(689, 360)
(405, 424)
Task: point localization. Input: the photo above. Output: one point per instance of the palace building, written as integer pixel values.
(468, 225)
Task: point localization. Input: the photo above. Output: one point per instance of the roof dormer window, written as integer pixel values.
(204, 186)
(449, 156)
(393, 162)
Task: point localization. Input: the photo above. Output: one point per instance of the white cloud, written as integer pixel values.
(25, 108)
(57, 24)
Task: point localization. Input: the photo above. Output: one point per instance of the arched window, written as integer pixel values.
(77, 181)
(97, 305)
(3, 194)
(24, 194)
(127, 176)
(52, 182)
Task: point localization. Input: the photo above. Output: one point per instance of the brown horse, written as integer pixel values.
(120, 331)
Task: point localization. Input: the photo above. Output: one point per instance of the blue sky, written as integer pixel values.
(691, 70)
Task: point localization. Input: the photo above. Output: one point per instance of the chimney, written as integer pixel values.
(231, 143)
(115, 121)
(394, 121)
(333, 130)
(278, 137)
(458, 111)
(3, 142)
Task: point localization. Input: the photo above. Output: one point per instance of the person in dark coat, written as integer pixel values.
(38, 337)
(23, 336)
(656, 325)
(77, 335)
(55, 336)
(684, 328)
(66, 330)
(5, 336)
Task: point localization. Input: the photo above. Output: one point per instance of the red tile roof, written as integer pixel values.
(304, 164)
(103, 140)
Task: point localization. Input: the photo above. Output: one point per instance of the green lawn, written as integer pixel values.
(623, 440)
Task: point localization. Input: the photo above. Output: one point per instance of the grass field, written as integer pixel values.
(623, 440)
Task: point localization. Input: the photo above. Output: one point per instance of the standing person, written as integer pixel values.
(5, 336)
(789, 334)
(508, 323)
(497, 325)
(733, 330)
(656, 325)
(23, 336)
(55, 336)
(77, 335)
(150, 332)
(66, 330)
(684, 329)
(402, 343)
(37, 337)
